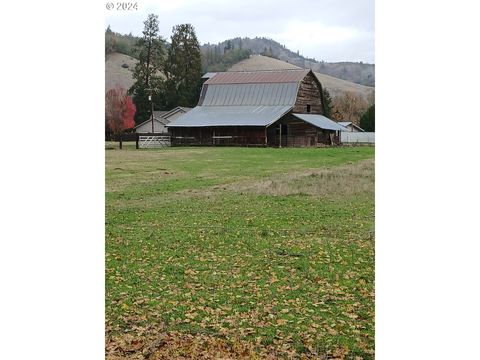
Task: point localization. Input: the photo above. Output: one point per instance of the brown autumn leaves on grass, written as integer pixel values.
(276, 265)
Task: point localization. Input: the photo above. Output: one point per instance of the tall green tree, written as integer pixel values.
(183, 68)
(367, 120)
(327, 100)
(148, 71)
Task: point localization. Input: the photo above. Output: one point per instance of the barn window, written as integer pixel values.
(308, 108)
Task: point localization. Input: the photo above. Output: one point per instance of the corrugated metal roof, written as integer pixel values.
(320, 121)
(275, 94)
(175, 110)
(258, 77)
(159, 114)
(203, 116)
(347, 123)
(185, 109)
(158, 120)
(209, 75)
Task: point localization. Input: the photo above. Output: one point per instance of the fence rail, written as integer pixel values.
(153, 141)
(348, 137)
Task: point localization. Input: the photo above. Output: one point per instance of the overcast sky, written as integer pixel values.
(330, 30)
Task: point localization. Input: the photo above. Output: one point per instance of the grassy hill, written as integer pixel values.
(359, 73)
(116, 71)
(219, 57)
(338, 86)
(119, 63)
(259, 62)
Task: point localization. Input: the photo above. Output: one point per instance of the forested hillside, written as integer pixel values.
(359, 73)
(221, 56)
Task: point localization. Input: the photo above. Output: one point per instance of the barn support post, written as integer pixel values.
(266, 142)
(280, 140)
(137, 139)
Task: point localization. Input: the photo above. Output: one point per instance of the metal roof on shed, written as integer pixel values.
(204, 116)
(347, 123)
(258, 77)
(275, 94)
(320, 121)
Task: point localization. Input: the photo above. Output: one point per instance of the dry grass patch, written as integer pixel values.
(343, 180)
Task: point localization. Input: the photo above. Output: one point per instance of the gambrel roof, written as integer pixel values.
(258, 77)
(252, 88)
(244, 98)
(275, 94)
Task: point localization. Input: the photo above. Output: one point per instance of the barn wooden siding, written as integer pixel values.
(309, 93)
(301, 134)
(297, 133)
(228, 135)
(146, 127)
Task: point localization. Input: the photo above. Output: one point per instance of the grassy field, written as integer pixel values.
(240, 253)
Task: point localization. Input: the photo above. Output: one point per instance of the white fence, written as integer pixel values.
(153, 141)
(357, 137)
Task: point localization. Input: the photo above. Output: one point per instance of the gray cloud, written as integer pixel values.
(332, 30)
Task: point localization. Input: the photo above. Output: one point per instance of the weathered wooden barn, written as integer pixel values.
(258, 108)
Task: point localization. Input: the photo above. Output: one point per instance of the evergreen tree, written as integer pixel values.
(229, 46)
(147, 73)
(327, 100)
(367, 120)
(110, 42)
(183, 68)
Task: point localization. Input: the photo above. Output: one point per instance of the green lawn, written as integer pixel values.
(273, 247)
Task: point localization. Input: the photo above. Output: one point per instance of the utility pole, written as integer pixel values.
(150, 97)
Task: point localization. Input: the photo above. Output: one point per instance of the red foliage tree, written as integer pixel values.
(119, 110)
(129, 113)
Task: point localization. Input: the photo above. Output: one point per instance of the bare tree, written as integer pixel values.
(349, 107)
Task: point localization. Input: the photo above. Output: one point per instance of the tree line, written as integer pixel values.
(215, 59)
(166, 75)
(115, 42)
